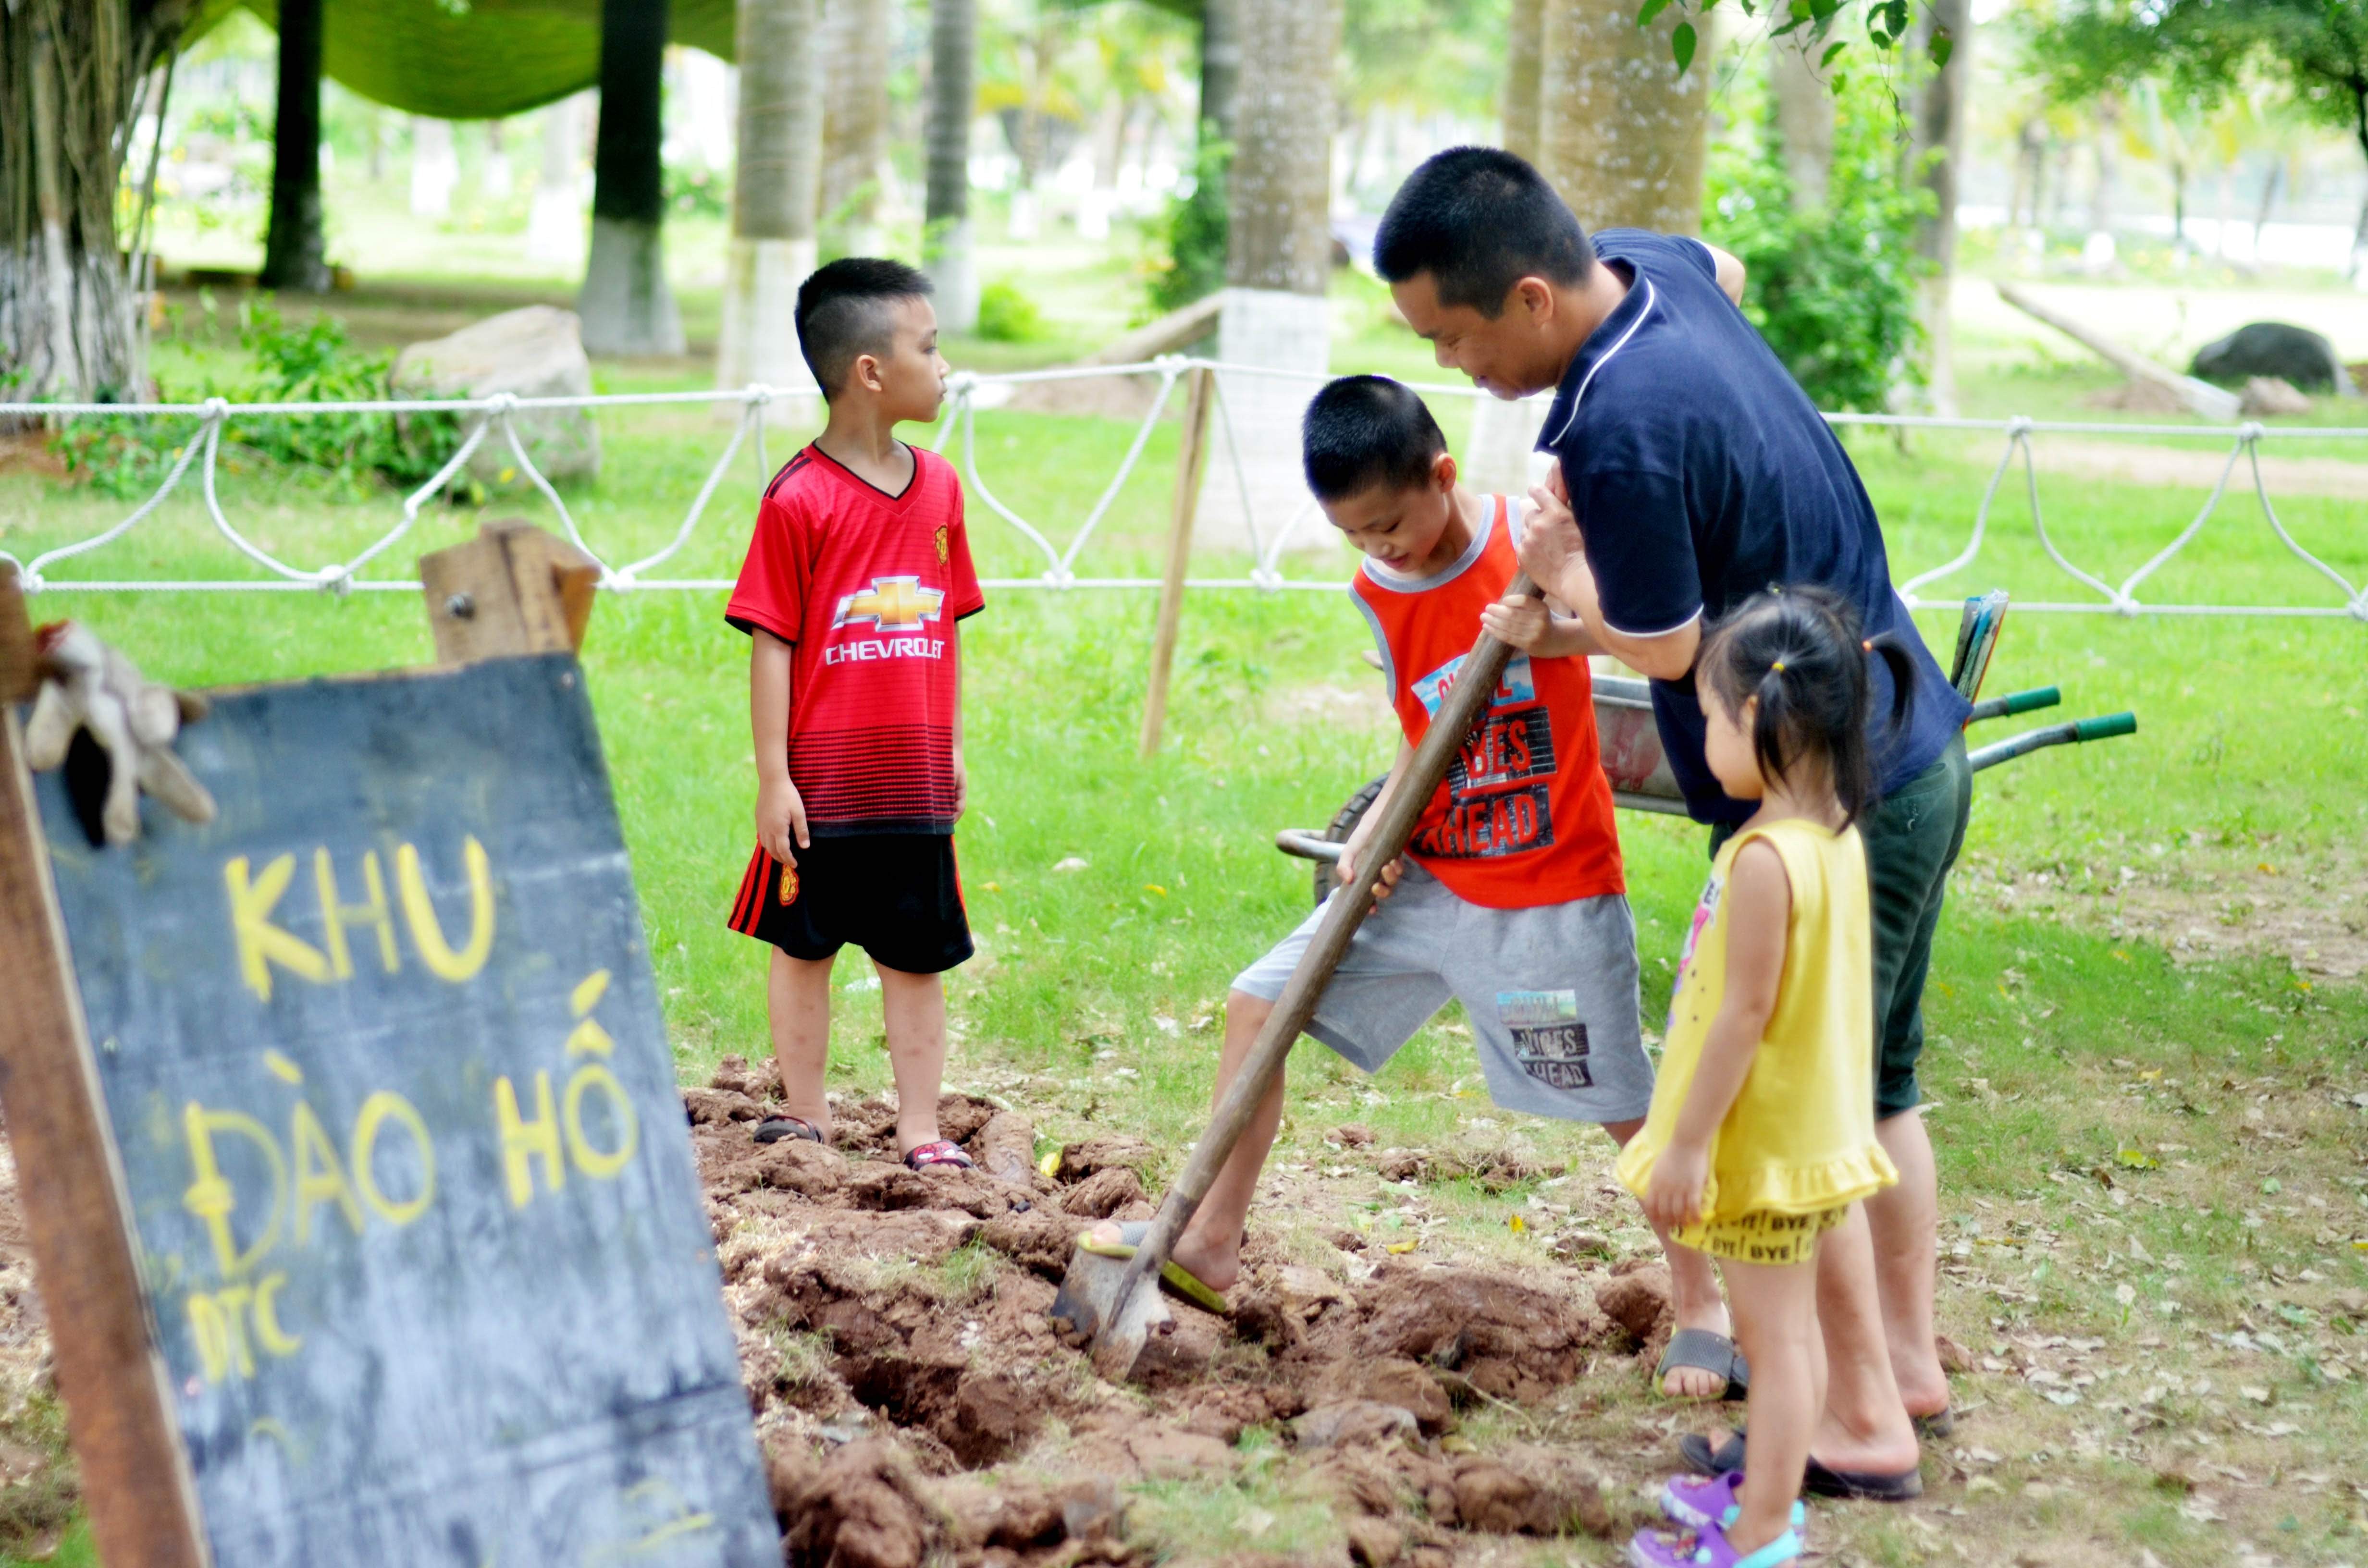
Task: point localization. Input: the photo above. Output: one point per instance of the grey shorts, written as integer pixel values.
(1550, 991)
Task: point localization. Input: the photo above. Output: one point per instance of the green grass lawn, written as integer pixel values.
(2109, 1100)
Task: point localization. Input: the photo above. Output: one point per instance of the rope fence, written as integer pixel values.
(497, 420)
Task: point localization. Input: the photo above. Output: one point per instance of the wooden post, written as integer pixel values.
(136, 1482)
(1192, 457)
(513, 589)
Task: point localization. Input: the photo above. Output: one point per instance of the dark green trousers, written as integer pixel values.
(1912, 839)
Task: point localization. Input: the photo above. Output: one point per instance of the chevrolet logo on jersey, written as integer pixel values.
(890, 604)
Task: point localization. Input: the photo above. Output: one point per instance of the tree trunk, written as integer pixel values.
(434, 168)
(1524, 65)
(625, 304)
(1496, 457)
(70, 72)
(776, 176)
(293, 249)
(1804, 123)
(855, 116)
(1220, 66)
(946, 233)
(1622, 130)
(1277, 261)
(555, 221)
(1938, 146)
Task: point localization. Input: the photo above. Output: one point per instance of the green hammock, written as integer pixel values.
(475, 59)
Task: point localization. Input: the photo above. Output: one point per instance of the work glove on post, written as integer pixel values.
(85, 685)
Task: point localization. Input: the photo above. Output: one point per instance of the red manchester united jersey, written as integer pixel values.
(1525, 816)
(868, 587)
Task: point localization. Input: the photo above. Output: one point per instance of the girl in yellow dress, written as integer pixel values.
(1761, 1133)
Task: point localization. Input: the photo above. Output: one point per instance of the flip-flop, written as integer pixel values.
(928, 1157)
(1173, 1276)
(1706, 1350)
(1818, 1479)
(1942, 1423)
(773, 1128)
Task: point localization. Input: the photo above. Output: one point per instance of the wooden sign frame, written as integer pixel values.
(512, 590)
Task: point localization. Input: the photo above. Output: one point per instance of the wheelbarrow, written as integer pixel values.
(1630, 743)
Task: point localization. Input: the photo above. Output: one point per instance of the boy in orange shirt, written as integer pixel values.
(1511, 896)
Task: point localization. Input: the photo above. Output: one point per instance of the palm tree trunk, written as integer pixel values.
(855, 116)
(1497, 458)
(1804, 123)
(70, 73)
(1939, 143)
(1622, 130)
(946, 231)
(1524, 68)
(1278, 260)
(773, 193)
(625, 304)
(555, 225)
(292, 247)
(1220, 66)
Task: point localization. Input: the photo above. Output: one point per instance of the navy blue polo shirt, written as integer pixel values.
(1701, 474)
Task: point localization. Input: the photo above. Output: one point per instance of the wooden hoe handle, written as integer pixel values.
(1476, 683)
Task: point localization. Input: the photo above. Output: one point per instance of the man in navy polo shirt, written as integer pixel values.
(1692, 472)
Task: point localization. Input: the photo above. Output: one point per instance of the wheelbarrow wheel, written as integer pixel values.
(1344, 823)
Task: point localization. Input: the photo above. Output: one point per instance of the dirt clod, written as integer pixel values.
(1088, 1156)
(1375, 1543)
(861, 1508)
(1510, 1338)
(1638, 1302)
(1349, 1423)
(1104, 1193)
(704, 1105)
(1004, 1147)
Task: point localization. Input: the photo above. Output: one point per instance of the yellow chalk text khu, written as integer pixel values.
(319, 1176)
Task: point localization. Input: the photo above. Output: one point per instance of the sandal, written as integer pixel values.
(1708, 1548)
(1705, 1350)
(773, 1128)
(1174, 1278)
(1694, 1502)
(1818, 1479)
(926, 1156)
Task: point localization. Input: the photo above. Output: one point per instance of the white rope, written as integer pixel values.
(498, 413)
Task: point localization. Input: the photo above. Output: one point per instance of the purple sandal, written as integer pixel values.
(922, 1156)
(1708, 1548)
(1697, 1501)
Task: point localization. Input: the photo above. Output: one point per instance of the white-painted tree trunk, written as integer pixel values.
(626, 307)
(555, 221)
(1277, 263)
(1276, 329)
(435, 170)
(1502, 456)
(774, 196)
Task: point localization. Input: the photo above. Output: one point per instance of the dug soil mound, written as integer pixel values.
(916, 1401)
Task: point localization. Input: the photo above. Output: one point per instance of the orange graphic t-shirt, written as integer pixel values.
(1524, 817)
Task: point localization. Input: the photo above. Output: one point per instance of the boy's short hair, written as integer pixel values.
(844, 310)
(1479, 219)
(1366, 430)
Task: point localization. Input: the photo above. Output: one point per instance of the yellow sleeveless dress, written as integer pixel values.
(1797, 1147)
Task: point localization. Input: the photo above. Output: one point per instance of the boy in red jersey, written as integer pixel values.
(855, 581)
(1511, 896)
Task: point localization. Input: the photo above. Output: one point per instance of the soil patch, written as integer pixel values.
(897, 1350)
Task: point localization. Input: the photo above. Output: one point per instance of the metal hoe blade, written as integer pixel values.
(1096, 1304)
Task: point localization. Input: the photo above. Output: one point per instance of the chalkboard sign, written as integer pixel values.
(416, 1216)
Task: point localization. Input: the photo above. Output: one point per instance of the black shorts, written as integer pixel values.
(896, 896)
